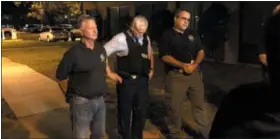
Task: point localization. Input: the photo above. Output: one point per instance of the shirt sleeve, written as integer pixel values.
(164, 48)
(117, 44)
(65, 66)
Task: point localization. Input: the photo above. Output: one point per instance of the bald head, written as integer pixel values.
(139, 25)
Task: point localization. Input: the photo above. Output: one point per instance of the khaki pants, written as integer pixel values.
(178, 87)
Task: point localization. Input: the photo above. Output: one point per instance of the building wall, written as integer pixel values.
(231, 54)
(245, 31)
(102, 8)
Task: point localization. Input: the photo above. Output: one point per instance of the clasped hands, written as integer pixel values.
(189, 68)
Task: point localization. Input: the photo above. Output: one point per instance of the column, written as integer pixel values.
(231, 54)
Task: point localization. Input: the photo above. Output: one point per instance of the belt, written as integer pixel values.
(178, 70)
(129, 75)
(134, 76)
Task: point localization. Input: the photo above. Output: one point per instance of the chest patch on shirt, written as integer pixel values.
(191, 38)
(102, 58)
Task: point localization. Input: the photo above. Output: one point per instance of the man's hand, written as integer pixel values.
(186, 69)
(189, 68)
(115, 77)
(63, 85)
(192, 67)
(151, 74)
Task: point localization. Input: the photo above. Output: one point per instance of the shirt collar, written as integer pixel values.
(179, 33)
(84, 46)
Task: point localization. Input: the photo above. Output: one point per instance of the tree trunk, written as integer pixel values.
(50, 18)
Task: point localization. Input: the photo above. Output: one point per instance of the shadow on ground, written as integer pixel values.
(158, 110)
(10, 124)
(56, 124)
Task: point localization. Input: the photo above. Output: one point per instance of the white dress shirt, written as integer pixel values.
(118, 45)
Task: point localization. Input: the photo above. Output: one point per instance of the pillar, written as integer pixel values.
(231, 54)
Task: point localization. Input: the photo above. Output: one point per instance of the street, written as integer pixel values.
(27, 36)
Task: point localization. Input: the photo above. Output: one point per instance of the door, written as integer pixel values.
(144, 10)
(118, 19)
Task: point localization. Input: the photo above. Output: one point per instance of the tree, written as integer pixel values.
(51, 12)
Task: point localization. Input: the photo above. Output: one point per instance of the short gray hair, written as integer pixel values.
(139, 18)
(83, 18)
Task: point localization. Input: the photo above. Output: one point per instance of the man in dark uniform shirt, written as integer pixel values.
(263, 61)
(253, 110)
(182, 52)
(81, 75)
(261, 49)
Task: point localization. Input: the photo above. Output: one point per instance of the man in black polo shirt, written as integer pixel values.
(261, 50)
(182, 52)
(263, 61)
(135, 66)
(85, 66)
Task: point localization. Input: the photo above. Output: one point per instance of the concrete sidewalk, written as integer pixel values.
(27, 91)
(39, 104)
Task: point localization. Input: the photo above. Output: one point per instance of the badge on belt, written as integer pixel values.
(144, 56)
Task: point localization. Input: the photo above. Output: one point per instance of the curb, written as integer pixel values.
(16, 40)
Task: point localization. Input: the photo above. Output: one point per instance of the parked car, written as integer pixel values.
(19, 27)
(7, 26)
(32, 27)
(53, 34)
(8, 33)
(74, 34)
(67, 27)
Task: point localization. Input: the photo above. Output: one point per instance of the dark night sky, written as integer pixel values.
(8, 7)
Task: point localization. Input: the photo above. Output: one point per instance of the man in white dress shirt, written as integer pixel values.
(135, 66)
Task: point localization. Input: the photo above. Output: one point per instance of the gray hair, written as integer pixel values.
(83, 18)
(137, 19)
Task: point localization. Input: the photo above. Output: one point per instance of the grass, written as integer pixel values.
(43, 60)
(33, 43)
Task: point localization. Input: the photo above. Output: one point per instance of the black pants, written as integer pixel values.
(132, 103)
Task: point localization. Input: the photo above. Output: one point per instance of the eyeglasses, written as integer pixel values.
(184, 18)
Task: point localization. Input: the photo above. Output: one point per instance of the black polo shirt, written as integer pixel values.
(85, 69)
(181, 46)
